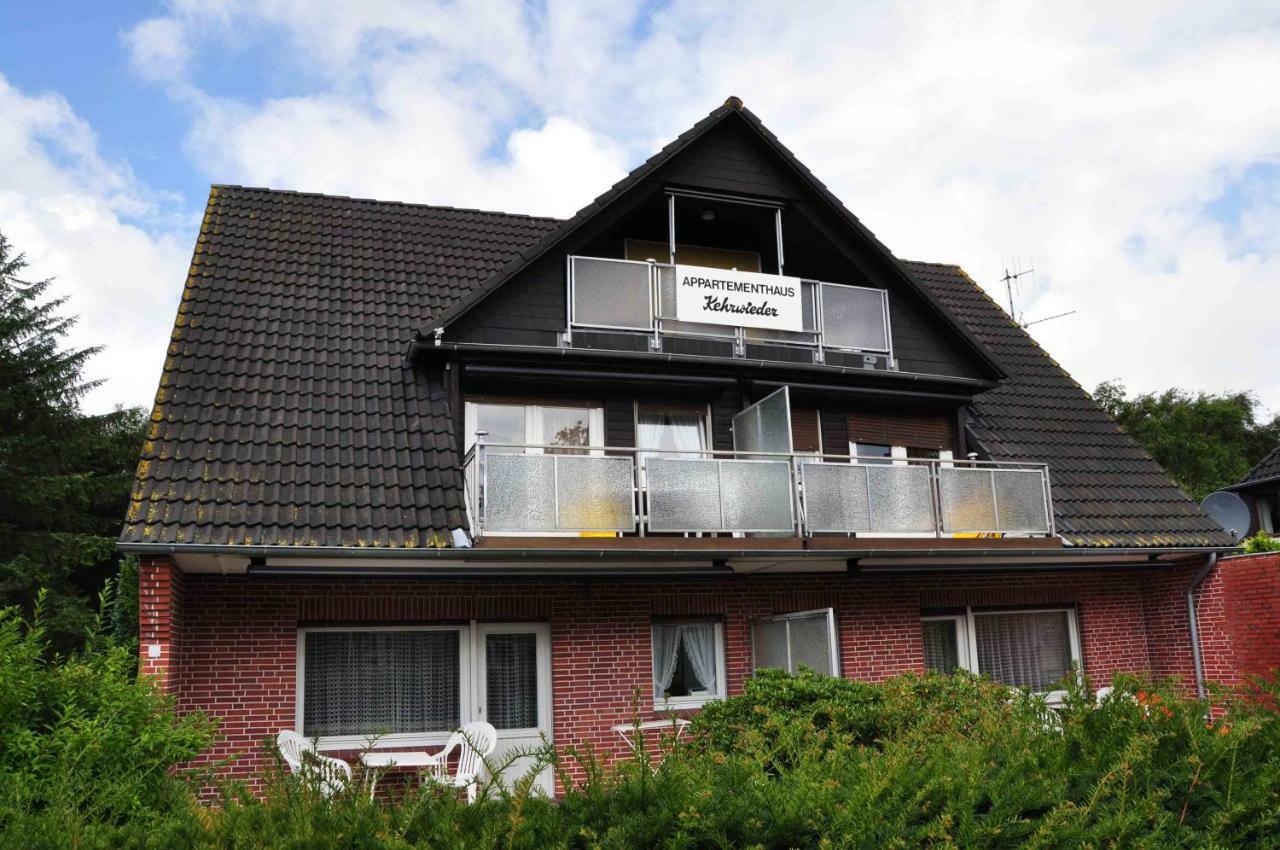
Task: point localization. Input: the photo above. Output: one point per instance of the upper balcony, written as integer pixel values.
(542, 489)
(741, 310)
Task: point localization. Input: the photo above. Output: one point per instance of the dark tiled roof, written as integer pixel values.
(286, 414)
(1107, 491)
(1267, 469)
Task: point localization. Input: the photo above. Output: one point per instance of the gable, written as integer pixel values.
(732, 157)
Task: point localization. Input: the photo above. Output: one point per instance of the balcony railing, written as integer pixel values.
(526, 489)
(628, 296)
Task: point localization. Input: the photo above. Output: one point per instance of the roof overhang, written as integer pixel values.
(649, 562)
(1257, 482)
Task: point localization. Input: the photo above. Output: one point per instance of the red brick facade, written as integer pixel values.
(1243, 598)
(161, 587)
(229, 643)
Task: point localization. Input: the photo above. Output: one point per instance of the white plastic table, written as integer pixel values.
(416, 759)
(625, 730)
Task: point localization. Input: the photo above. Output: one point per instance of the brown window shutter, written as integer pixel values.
(915, 430)
(804, 430)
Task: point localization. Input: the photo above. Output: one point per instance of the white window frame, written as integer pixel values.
(542, 654)
(533, 421)
(897, 454)
(426, 738)
(967, 638)
(663, 703)
(833, 637)
(960, 623)
(708, 438)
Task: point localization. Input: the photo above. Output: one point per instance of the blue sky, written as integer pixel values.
(1130, 152)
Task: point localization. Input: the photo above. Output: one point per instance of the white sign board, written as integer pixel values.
(746, 299)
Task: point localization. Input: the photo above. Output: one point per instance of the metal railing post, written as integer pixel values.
(482, 471)
(935, 491)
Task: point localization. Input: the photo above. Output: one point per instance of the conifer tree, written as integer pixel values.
(64, 475)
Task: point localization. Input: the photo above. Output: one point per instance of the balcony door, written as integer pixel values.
(513, 683)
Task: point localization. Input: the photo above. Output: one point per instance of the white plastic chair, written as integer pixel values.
(475, 741)
(329, 774)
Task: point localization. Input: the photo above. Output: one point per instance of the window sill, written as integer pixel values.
(683, 703)
(402, 741)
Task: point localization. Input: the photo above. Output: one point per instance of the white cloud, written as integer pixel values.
(1089, 137)
(112, 245)
(158, 48)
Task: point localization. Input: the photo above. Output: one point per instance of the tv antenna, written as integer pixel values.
(1011, 278)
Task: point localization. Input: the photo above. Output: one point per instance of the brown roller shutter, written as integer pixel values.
(804, 430)
(916, 430)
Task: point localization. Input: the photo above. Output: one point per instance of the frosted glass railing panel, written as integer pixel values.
(756, 495)
(612, 294)
(684, 495)
(519, 492)
(901, 499)
(835, 497)
(595, 493)
(1020, 498)
(968, 500)
(854, 317)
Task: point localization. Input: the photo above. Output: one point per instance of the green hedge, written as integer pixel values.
(802, 761)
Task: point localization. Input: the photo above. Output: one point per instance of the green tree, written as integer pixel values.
(64, 475)
(1204, 441)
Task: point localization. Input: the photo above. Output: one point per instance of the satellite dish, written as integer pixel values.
(1229, 511)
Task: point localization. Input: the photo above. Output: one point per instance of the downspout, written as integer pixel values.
(1196, 655)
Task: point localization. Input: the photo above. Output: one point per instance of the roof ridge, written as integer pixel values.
(931, 263)
(383, 202)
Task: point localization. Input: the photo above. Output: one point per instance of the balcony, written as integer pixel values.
(654, 300)
(533, 490)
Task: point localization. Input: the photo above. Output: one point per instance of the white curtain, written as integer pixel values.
(666, 653)
(668, 430)
(700, 646)
(1026, 650)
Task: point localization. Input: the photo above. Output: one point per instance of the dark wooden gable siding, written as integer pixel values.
(530, 309)
(727, 159)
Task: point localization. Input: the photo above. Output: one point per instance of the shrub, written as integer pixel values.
(84, 743)
(1261, 542)
(795, 761)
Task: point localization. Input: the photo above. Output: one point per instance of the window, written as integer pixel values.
(414, 685)
(511, 678)
(1032, 649)
(870, 453)
(873, 452)
(362, 683)
(671, 430)
(790, 641)
(688, 663)
(573, 426)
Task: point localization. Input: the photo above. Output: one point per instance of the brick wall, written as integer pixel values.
(237, 637)
(1243, 598)
(160, 617)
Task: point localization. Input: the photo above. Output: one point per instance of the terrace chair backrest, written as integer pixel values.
(293, 748)
(475, 741)
(329, 775)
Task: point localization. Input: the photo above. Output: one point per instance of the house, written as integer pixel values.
(1260, 490)
(410, 466)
